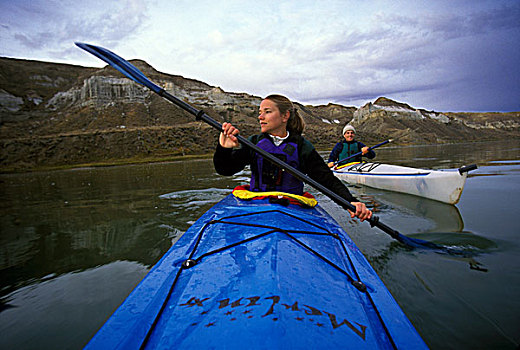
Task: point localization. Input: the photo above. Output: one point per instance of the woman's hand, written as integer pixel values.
(227, 137)
(362, 212)
(364, 150)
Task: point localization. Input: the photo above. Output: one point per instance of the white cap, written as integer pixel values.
(348, 127)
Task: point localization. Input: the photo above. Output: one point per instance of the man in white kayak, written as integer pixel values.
(348, 147)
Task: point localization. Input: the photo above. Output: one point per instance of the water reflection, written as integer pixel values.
(424, 219)
(57, 222)
(442, 217)
(448, 156)
(66, 309)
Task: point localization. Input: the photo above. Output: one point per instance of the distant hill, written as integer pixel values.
(54, 115)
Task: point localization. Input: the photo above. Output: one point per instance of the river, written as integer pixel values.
(74, 243)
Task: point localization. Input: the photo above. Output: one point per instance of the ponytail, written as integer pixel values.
(295, 124)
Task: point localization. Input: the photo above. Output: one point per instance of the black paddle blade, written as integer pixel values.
(414, 242)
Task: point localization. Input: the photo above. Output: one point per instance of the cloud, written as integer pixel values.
(418, 55)
(51, 27)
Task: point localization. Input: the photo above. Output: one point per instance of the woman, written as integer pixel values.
(344, 149)
(281, 128)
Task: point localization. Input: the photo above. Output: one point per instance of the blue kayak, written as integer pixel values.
(250, 274)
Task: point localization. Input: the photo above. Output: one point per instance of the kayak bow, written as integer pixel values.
(254, 274)
(440, 185)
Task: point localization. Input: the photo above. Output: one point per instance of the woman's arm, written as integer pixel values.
(229, 161)
(226, 159)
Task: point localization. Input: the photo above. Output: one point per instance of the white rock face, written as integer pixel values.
(398, 111)
(44, 80)
(439, 117)
(497, 125)
(9, 103)
(100, 91)
(214, 97)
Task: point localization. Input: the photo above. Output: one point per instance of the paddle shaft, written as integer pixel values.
(200, 115)
(135, 74)
(359, 153)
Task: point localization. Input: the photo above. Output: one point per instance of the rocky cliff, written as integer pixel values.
(54, 115)
(418, 126)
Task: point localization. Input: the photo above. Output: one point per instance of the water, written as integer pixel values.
(74, 243)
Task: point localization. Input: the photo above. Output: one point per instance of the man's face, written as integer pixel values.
(349, 135)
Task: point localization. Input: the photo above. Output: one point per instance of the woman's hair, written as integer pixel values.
(295, 123)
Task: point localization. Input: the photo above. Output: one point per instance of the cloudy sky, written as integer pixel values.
(443, 55)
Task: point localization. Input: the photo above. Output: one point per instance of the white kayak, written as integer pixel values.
(440, 185)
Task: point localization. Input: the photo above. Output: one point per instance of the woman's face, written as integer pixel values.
(271, 120)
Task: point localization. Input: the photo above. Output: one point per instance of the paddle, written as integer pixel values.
(135, 74)
(359, 153)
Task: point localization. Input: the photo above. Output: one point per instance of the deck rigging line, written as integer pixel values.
(191, 261)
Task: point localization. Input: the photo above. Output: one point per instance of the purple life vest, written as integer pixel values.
(266, 176)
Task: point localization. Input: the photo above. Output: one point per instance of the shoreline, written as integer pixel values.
(176, 158)
(105, 164)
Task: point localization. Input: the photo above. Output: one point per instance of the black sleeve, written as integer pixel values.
(229, 161)
(316, 168)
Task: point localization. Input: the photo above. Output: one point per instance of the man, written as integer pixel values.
(348, 147)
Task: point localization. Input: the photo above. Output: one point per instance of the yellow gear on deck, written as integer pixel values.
(246, 194)
(344, 165)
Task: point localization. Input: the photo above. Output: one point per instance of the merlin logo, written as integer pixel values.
(270, 308)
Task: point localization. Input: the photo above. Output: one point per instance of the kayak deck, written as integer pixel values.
(262, 276)
(440, 185)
